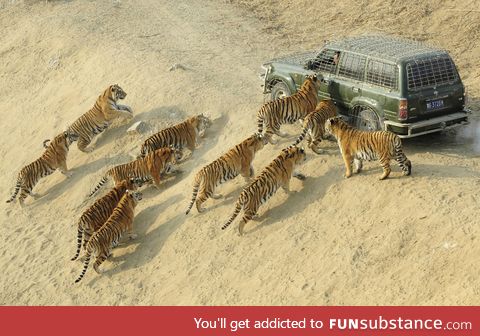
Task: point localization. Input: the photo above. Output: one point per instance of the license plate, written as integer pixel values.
(435, 104)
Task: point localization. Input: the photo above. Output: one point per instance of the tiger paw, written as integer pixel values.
(67, 174)
(133, 236)
(347, 175)
(96, 269)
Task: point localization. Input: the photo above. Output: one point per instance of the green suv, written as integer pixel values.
(379, 83)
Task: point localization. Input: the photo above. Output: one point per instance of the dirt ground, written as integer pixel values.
(404, 241)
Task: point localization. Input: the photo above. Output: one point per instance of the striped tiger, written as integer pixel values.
(356, 146)
(277, 174)
(54, 157)
(238, 160)
(288, 109)
(149, 168)
(119, 222)
(179, 136)
(314, 124)
(100, 116)
(96, 215)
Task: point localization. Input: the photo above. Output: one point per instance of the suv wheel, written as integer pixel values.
(366, 119)
(280, 90)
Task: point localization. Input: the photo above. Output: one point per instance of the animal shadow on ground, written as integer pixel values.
(313, 189)
(148, 245)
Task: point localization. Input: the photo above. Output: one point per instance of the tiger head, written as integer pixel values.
(70, 137)
(133, 183)
(311, 81)
(177, 155)
(297, 153)
(257, 141)
(201, 123)
(335, 125)
(135, 195)
(116, 92)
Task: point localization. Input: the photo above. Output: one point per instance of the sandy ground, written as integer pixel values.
(403, 241)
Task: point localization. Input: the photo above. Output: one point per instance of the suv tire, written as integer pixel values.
(365, 118)
(280, 90)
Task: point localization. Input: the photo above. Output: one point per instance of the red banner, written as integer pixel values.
(240, 321)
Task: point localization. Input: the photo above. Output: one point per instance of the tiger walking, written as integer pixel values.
(314, 124)
(119, 222)
(179, 136)
(277, 174)
(238, 160)
(151, 167)
(288, 109)
(54, 157)
(100, 116)
(357, 146)
(97, 214)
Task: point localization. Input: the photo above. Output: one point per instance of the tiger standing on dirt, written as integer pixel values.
(179, 136)
(277, 174)
(54, 157)
(356, 146)
(151, 167)
(238, 160)
(119, 222)
(97, 214)
(314, 124)
(288, 109)
(100, 116)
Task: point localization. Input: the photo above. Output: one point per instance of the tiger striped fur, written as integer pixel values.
(100, 116)
(149, 168)
(119, 222)
(356, 146)
(238, 160)
(288, 109)
(277, 174)
(179, 136)
(96, 215)
(54, 157)
(314, 124)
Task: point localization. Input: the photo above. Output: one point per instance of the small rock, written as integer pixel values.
(177, 66)
(137, 128)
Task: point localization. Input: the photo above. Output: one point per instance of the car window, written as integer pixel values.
(382, 74)
(325, 61)
(430, 72)
(352, 66)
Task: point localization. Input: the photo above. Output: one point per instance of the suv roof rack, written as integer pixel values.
(384, 46)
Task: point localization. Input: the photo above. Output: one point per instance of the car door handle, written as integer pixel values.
(355, 89)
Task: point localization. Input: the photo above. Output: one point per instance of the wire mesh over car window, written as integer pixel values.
(382, 74)
(324, 61)
(352, 66)
(430, 72)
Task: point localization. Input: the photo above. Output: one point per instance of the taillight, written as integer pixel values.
(403, 109)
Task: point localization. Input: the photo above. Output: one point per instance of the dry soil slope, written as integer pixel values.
(358, 241)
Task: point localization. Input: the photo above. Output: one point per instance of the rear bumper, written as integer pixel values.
(410, 130)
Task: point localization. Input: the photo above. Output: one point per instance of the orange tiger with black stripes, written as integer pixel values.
(179, 136)
(277, 174)
(97, 214)
(314, 124)
(54, 157)
(238, 160)
(151, 167)
(119, 222)
(357, 146)
(288, 109)
(100, 116)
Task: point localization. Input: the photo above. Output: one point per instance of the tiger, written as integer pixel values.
(277, 174)
(96, 215)
(54, 157)
(238, 160)
(179, 136)
(356, 145)
(100, 116)
(119, 222)
(288, 109)
(314, 124)
(149, 168)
